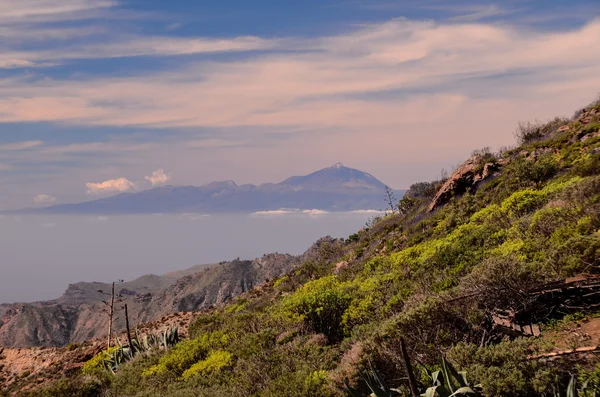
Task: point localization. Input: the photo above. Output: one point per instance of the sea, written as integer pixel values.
(42, 255)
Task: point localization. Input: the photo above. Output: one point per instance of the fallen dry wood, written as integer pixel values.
(557, 298)
(579, 350)
(578, 282)
(566, 283)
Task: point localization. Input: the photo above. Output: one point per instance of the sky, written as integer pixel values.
(105, 96)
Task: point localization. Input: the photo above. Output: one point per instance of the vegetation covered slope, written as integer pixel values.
(436, 276)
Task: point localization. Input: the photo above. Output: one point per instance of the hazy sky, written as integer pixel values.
(103, 96)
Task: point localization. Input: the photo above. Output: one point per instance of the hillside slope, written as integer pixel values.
(494, 269)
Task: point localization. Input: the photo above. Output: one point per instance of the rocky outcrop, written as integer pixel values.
(588, 116)
(466, 177)
(216, 285)
(37, 325)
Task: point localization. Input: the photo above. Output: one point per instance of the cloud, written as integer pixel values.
(131, 46)
(199, 217)
(369, 212)
(313, 212)
(276, 212)
(482, 12)
(44, 199)
(158, 177)
(174, 26)
(20, 145)
(49, 10)
(100, 218)
(69, 28)
(118, 185)
(391, 73)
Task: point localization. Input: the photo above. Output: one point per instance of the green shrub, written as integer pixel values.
(314, 382)
(407, 203)
(591, 379)
(545, 221)
(98, 362)
(503, 369)
(205, 322)
(181, 357)
(80, 386)
(214, 362)
(72, 346)
(422, 190)
(499, 281)
(280, 280)
(529, 132)
(524, 201)
(528, 172)
(321, 305)
(587, 165)
(237, 306)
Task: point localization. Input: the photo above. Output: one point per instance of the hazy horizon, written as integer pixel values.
(43, 254)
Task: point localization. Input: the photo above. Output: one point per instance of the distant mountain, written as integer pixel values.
(337, 188)
(335, 178)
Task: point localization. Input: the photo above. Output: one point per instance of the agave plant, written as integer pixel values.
(449, 382)
(121, 354)
(170, 338)
(587, 389)
(374, 381)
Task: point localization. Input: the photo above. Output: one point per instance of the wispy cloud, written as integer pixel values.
(44, 199)
(173, 26)
(49, 10)
(482, 12)
(290, 212)
(20, 145)
(128, 46)
(25, 24)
